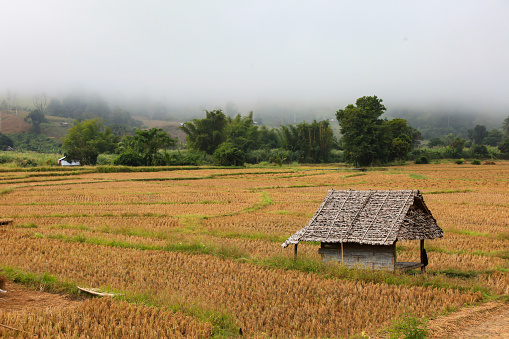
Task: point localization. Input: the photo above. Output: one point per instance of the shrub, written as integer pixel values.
(228, 155)
(183, 158)
(102, 159)
(459, 161)
(476, 162)
(479, 151)
(408, 327)
(129, 159)
(26, 162)
(422, 160)
(5, 159)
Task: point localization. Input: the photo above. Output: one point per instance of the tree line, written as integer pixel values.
(366, 139)
(233, 141)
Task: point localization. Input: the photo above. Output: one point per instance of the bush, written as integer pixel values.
(35, 142)
(129, 159)
(5, 159)
(422, 160)
(228, 155)
(409, 327)
(479, 151)
(26, 162)
(184, 158)
(459, 161)
(103, 159)
(476, 162)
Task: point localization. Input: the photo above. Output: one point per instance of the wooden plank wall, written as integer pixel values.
(363, 256)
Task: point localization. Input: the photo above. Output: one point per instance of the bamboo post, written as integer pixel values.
(342, 262)
(423, 268)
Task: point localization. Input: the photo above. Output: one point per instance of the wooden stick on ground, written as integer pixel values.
(16, 329)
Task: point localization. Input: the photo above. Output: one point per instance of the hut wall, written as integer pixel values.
(362, 256)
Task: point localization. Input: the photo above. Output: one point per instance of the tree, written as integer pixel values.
(477, 134)
(229, 155)
(457, 146)
(479, 151)
(37, 117)
(40, 102)
(365, 136)
(401, 146)
(494, 138)
(436, 142)
(505, 127)
(143, 148)
(504, 149)
(87, 139)
(208, 133)
(242, 133)
(313, 142)
(5, 142)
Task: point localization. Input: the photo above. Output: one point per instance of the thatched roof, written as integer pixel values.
(369, 217)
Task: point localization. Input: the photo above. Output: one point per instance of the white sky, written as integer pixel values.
(418, 53)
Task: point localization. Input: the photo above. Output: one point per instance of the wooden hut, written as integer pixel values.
(361, 228)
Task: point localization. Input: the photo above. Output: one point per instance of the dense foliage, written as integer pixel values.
(37, 118)
(368, 139)
(35, 142)
(143, 148)
(5, 142)
(312, 142)
(86, 140)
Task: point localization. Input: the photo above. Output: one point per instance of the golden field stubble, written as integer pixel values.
(481, 209)
(279, 303)
(103, 318)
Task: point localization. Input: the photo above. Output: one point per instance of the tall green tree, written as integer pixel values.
(477, 134)
(457, 146)
(37, 118)
(366, 137)
(505, 127)
(143, 148)
(87, 139)
(313, 141)
(494, 138)
(5, 142)
(208, 133)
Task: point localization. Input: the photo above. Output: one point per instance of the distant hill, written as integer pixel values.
(12, 124)
(56, 127)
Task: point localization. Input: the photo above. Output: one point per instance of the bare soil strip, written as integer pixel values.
(19, 298)
(490, 320)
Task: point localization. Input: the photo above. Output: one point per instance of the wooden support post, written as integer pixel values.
(295, 252)
(424, 261)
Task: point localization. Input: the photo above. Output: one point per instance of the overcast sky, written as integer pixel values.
(418, 53)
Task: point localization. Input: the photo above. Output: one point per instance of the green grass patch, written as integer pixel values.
(43, 282)
(417, 176)
(448, 191)
(408, 326)
(27, 225)
(6, 190)
(468, 232)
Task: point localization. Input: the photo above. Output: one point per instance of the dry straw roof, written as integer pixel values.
(369, 217)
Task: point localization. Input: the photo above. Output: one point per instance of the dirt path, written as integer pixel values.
(490, 320)
(19, 298)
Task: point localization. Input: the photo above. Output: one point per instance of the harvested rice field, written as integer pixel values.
(196, 252)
